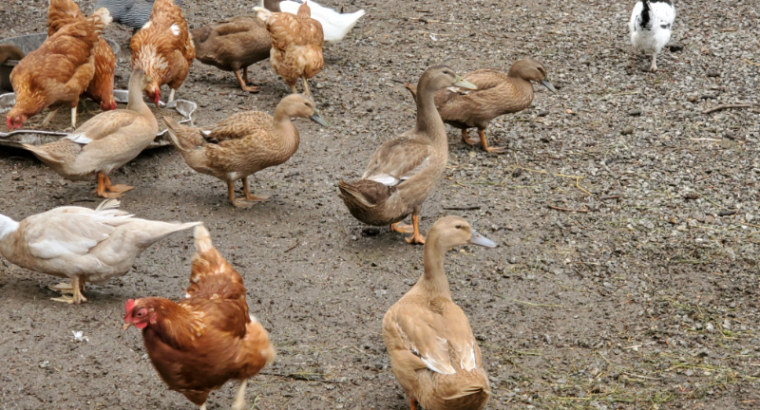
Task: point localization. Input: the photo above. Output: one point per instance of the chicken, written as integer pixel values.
(198, 344)
(81, 244)
(335, 25)
(62, 12)
(58, 72)
(131, 13)
(164, 49)
(651, 26)
(296, 45)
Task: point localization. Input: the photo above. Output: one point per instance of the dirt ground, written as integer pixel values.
(627, 220)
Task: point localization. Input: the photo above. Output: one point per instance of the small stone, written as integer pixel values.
(627, 131)
(674, 48)
(692, 98)
(710, 327)
(713, 73)
(634, 113)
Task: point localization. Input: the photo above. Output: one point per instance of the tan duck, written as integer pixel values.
(433, 352)
(244, 143)
(104, 143)
(497, 94)
(233, 45)
(404, 170)
(81, 244)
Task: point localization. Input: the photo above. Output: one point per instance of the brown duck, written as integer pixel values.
(497, 94)
(233, 45)
(403, 171)
(244, 143)
(433, 352)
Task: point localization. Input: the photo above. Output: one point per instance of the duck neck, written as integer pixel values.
(428, 119)
(7, 226)
(285, 128)
(523, 97)
(135, 100)
(433, 280)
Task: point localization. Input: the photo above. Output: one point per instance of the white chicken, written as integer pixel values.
(334, 25)
(651, 26)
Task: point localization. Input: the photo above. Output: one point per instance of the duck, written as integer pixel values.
(244, 143)
(104, 143)
(233, 45)
(334, 24)
(82, 244)
(497, 94)
(651, 26)
(405, 170)
(433, 352)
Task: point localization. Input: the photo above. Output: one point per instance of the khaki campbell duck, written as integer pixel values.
(497, 94)
(233, 45)
(244, 143)
(82, 244)
(433, 352)
(104, 143)
(404, 170)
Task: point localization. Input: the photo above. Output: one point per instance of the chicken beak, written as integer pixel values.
(549, 86)
(462, 83)
(126, 326)
(319, 120)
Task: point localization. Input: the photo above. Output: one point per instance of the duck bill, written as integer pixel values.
(462, 83)
(319, 120)
(478, 239)
(549, 85)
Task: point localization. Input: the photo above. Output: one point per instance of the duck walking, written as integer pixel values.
(651, 26)
(433, 351)
(404, 170)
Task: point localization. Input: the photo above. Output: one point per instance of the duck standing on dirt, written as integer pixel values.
(497, 94)
(433, 351)
(82, 244)
(405, 170)
(244, 143)
(651, 26)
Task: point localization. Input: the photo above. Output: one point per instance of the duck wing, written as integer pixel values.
(399, 160)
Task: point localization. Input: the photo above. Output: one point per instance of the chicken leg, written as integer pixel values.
(48, 118)
(239, 402)
(171, 95)
(249, 196)
(653, 67)
(74, 289)
(467, 139)
(74, 116)
(306, 87)
(243, 80)
(106, 190)
(484, 144)
(416, 238)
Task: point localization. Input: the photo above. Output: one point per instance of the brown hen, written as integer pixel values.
(208, 338)
(164, 49)
(63, 12)
(58, 72)
(296, 45)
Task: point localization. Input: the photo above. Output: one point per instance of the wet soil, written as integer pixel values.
(627, 220)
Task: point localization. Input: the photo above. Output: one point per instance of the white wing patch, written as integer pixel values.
(79, 139)
(175, 29)
(206, 132)
(468, 358)
(147, 24)
(385, 179)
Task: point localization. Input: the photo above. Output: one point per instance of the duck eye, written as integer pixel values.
(459, 226)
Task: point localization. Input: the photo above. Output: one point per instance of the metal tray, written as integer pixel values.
(28, 43)
(16, 138)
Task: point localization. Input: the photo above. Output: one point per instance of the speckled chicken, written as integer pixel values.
(63, 12)
(164, 49)
(131, 13)
(296, 45)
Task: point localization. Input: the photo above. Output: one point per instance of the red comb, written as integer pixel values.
(129, 305)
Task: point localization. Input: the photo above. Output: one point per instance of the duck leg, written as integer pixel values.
(249, 196)
(467, 139)
(397, 227)
(239, 402)
(75, 289)
(412, 403)
(243, 80)
(306, 87)
(484, 144)
(106, 190)
(416, 238)
(49, 118)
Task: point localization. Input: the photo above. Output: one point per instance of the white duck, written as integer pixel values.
(334, 25)
(651, 25)
(82, 244)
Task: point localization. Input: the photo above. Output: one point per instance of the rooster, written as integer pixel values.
(63, 12)
(164, 49)
(208, 338)
(58, 72)
(296, 45)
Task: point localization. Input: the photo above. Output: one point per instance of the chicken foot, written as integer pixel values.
(74, 288)
(239, 402)
(243, 80)
(106, 190)
(416, 238)
(486, 148)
